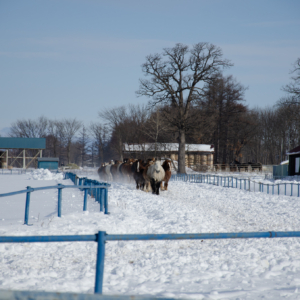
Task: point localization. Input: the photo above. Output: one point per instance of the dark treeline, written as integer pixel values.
(221, 119)
(217, 115)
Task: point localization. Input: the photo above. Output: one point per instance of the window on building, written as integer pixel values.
(297, 164)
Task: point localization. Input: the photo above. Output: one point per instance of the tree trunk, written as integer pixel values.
(121, 149)
(181, 152)
(68, 152)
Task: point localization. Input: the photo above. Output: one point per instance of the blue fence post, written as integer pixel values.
(96, 193)
(106, 201)
(27, 204)
(85, 199)
(298, 190)
(101, 198)
(285, 189)
(80, 183)
(267, 188)
(59, 201)
(100, 262)
(291, 189)
(236, 181)
(273, 189)
(278, 188)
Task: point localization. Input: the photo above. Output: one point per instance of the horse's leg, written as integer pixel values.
(157, 185)
(153, 185)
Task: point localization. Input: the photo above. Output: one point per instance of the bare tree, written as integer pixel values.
(30, 128)
(55, 137)
(223, 117)
(82, 144)
(155, 126)
(116, 118)
(293, 89)
(70, 128)
(178, 81)
(100, 135)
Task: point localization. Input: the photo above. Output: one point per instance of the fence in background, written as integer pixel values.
(284, 188)
(21, 171)
(90, 187)
(101, 238)
(82, 172)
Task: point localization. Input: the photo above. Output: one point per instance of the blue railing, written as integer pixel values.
(93, 191)
(285, 188)
(90, 187)
(101, 238)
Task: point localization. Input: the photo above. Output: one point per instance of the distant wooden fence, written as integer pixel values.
(238, 168)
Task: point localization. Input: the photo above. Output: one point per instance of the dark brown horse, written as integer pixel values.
(125, 169)
(167, 167)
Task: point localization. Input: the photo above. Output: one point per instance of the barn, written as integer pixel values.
(196, 154)
(22, 152)
(294, 161)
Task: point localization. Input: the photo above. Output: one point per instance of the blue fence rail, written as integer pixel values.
(285, 188)
(102, 237)
(90, 187)
(100, 195)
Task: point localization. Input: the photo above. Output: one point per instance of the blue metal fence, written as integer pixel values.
(90, 187)
(31, 295)
(101, 238)
(285, 188)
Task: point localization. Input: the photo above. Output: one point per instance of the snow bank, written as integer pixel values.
(45, 174)
(208, 269)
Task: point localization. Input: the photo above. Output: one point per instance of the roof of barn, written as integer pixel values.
(167, 147)
(294, 151)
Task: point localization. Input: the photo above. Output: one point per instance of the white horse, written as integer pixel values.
(156, 173)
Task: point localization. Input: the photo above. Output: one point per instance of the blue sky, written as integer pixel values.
(66, 59)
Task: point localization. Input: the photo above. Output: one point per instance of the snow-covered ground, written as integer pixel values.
(208, 269)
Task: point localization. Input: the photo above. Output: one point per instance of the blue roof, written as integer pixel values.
(22, 143)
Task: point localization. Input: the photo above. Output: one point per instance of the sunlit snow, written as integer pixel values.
(208, 269)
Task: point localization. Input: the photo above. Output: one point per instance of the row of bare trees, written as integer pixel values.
(68, 139)
(278, 127)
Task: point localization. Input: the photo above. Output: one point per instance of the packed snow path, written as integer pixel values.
(212, 269)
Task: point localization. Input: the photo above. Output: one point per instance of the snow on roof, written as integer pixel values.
(294, 151)
(167, 147)
(286, 162)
